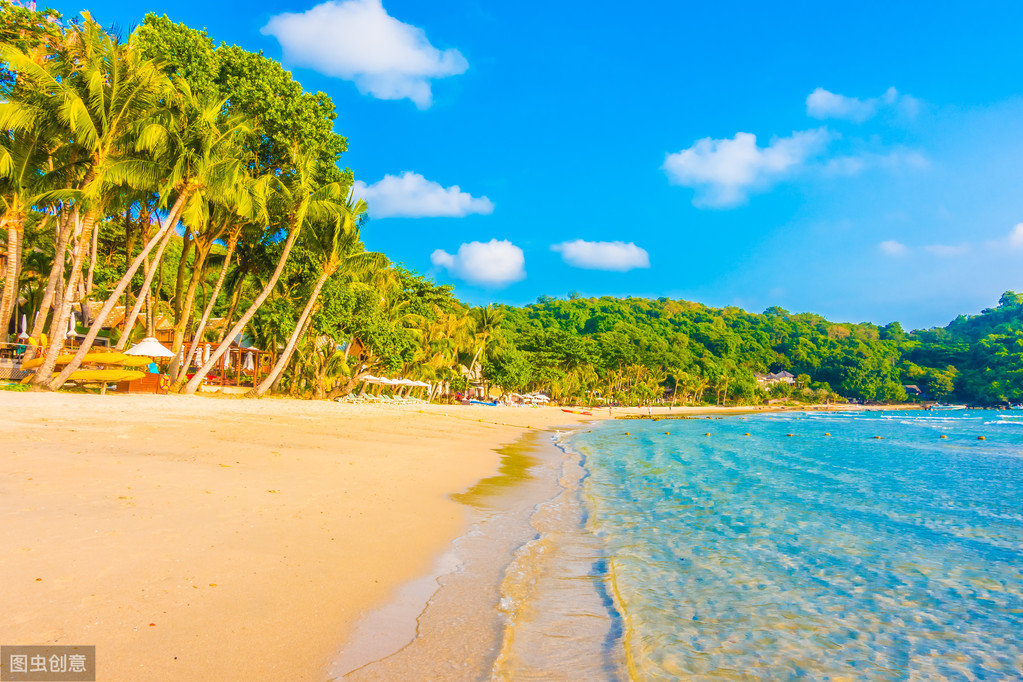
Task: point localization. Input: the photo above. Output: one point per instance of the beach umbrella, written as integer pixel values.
(71, 325)
(150, 347)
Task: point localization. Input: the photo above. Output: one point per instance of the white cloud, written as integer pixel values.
(896, 160)
(614, 256)
(494, 263)
(357, 40)
(410, 195)
(891, 247)
(947, 250)
(1016, 236)
(723, 171)
(823, 104)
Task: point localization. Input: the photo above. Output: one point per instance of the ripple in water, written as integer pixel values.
(772, 556)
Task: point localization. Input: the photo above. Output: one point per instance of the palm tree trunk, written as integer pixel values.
(289, 348)
(197, 337)
(232, 308)
(60, 318)
(14, 225)
(167, 232)
(97, 324)
(93, 252)
(193, 383)
(179, 282)
(349, 385)
(185, 314)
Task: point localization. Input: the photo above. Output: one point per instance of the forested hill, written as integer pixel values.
(564, 343)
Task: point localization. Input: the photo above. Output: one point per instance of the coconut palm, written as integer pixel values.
(337, 247)
(487, 322)
(22, 186)
(96, 90)
(298, 199)
(204, 169)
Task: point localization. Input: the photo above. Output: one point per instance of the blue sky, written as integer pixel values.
(863, 162)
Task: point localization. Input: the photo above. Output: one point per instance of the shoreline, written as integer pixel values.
(250, 536)
(227, 539)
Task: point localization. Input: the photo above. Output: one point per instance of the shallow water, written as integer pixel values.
(772, 555)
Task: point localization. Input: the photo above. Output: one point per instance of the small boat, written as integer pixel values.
(481, 402)
(947, 406)
(588, 414)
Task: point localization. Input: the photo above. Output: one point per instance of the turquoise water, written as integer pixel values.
(843, 556)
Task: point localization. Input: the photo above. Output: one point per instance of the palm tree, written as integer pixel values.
(22, 154)
(203, 169)
(96, 90)
(487, 322)
(337, 245)
(301, 199)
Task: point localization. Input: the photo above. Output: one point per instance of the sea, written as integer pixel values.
(828, 545)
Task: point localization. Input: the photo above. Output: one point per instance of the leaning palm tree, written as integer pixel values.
(204, 168)
(299, 198)
(247, 208)
(96, 90)
(337, 247)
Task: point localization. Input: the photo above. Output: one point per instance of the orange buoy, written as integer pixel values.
(944, 436)
(789, 435)
(745, 434)
(981, 438)
(627, 433)
(827, 434)
(878, 437)
(706, 434)
(667, 433)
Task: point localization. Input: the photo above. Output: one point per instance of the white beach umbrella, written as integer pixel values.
(150, 347)
(24, 322)
(71, 325)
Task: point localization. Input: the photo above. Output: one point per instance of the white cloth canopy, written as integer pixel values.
(249, 363)
(150, 347)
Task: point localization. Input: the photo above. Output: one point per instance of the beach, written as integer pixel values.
(219, 538)
(203, 538)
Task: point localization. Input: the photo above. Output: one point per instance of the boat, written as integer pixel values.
(588, 414)
(947, 406)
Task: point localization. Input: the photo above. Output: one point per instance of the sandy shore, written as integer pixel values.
(199, 538)
(202, 538)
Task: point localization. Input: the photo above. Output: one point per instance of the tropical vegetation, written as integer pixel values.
(198, 189)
